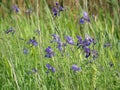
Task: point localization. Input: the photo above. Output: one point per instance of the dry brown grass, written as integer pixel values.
(89, 5)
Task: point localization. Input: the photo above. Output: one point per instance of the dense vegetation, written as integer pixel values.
(59, 48)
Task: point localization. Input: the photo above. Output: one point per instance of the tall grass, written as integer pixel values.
(19, 71)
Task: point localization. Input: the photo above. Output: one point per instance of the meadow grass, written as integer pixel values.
(19, 71)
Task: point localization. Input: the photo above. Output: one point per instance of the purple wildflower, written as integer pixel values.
(87, 55)
(48, 49)
(79, 38)
(33, 42)
(69, 40)
(87, 51)
(57, 3)
(49, 55)
(61, 46)
(49, 52)
(57, 9)
(61, 8)
(15, 8)
(53, 69)
(56, 38)
(75, 68)
(50, 68)
(84, 18)
(85, 15)
(79, 42)
(88, 40)
(86, 43)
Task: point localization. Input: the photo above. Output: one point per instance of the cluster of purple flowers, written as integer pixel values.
(60, 45)
(84, 44)
(57, 9)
